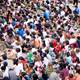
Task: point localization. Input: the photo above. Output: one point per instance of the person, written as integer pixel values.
(1, 75)
(54, 76)
(46, 14)
(5, 71)
(77, 73)
(35, 77)
(49, 69)
(70, 77)
(12, 74)
(75, 2)
(76, 10)
(38, 35)
(18, 67)
(68, 59)
(78, 41)
(64, 71)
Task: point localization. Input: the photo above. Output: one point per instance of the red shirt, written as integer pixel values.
(54, 43)
(58, 48)
(73, 56)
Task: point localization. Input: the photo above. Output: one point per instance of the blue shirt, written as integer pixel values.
(68, 59)
(77, 10)
(46, 14)
(20, 32)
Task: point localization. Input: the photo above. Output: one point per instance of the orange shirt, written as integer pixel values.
(78, 77)
(37, 43)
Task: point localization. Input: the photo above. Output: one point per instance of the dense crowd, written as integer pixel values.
(42, 39)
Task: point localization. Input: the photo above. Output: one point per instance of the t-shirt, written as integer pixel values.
(5, 73)
(18, 69)
(54, 43)
(30, 57)
(69, 59)
(46, 14)
(20, 32)
(54, 76)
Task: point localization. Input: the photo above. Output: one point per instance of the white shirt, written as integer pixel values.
(72, 41)
(18, 69)
(67, 48)
(46, 61)
(62, 39)
(71, 29)
(10, 26)
(62, 13)
(34, 50)
(44, 34)
(5, 73)
(47, 41)
(49, 57)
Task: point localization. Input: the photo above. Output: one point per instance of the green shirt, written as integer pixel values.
(30, 57)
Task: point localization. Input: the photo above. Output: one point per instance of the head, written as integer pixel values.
(4, 57)
(35, 77)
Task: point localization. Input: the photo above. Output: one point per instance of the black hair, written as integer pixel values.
(5, 64)
(4, 56)
(15, 61)
(78, 38)
(18, 50)
(35, 77)
(27, 32)
(35, 53)
(77, 69)
(77, 60)
(3, 68)
(67, 42)
(27, 40)
(44, 45)
(21, 58)
(71, 75)
(68, 54)
(62, 66)
(45, 55)
(58, 39)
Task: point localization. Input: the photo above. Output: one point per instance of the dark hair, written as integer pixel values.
(45, 55)
(21, 58)
(18, 50)
(77, 69)
(47, 51)
(68, 54)
(35, 77)
(78, 37)
(27, 32)
(71, 75)
(44, 44)
(15, 61)
(5, 64)
(4, 56)
(35, 53)
(58, 39)
(3, 68)
(77, 60)
(67, 42)
(62, 66)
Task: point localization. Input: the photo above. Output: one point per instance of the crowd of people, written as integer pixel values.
(42, 39)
